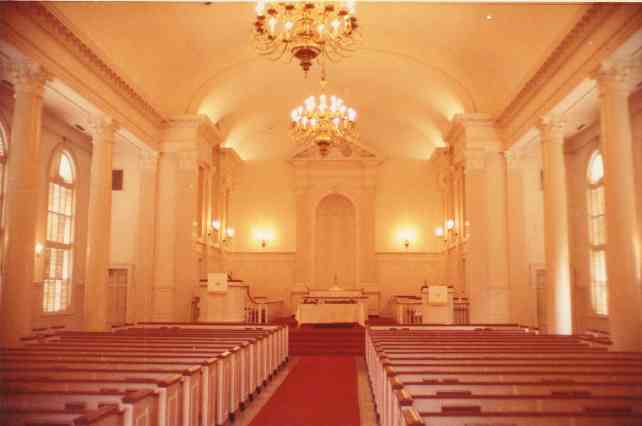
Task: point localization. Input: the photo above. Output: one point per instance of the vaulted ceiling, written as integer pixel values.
(419, 64)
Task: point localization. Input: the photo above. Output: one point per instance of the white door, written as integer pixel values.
(540, 285)
(117, 296)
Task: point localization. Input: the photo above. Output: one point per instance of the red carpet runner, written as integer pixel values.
(319, 391)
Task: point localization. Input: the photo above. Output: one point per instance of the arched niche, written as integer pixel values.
(335, 242)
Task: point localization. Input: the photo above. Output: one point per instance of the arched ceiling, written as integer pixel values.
(419, 64)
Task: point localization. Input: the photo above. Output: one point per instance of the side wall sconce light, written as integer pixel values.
(229, 235)
(39, 249)
(216, 227)
(446, 231)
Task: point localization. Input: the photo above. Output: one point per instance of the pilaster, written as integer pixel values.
(22, 189)
(623, 239)
(103, 130)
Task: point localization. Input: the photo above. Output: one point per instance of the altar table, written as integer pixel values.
(330, 313)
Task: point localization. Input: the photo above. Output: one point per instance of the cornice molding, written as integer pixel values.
(591, 19)
(48, 19)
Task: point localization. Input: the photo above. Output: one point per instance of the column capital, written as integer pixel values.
(551, 128)
(614, 77)
(27, 77)
(187, 160)
(102, 128)
(474, 160)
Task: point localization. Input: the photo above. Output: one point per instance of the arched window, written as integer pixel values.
(60, 234)
(597, 234)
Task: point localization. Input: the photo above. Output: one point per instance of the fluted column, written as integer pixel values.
(622, 239)
(99, 224)
(558, 276)
(21, 212)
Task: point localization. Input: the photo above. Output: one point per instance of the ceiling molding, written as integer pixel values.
(598, 33)
(53, 24)
(591, 19)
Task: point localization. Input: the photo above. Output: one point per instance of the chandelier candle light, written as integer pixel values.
(324, 121)
(305, 30)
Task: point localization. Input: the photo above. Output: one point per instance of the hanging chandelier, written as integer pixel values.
(324, 120)
(305, 30)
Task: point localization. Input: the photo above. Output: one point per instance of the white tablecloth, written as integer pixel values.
(329, 313)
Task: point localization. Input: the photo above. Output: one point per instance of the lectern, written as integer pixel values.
(225, 300)
(438, 305)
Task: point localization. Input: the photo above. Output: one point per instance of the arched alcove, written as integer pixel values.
(335, 242)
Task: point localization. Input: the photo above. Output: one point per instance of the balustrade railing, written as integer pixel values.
(409, 310)
(260, 310)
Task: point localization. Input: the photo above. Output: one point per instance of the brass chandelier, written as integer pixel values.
(305, 30)
(324, 120)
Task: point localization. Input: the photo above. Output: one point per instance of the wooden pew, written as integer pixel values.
(140, 407)
(104, 416)
(167, 390)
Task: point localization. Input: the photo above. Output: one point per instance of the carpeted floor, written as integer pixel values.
(319, 391)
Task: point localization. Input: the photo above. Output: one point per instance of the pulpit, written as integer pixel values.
(438, 305)
(223, 300)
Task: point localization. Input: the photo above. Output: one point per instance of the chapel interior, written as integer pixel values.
(320, 213)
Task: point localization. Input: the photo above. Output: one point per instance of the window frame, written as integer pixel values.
(599, 302)
(54, 178)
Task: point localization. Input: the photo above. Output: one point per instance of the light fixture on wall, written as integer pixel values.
(305, 30)
(406, 237)
(264, 237)
(229, 235)
(439, 232)
(39, 249)
(216, 227)
(447, 231)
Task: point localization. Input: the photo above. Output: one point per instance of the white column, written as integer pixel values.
(21, 208)
(622, 250)
(558, 277)
(99, 225)
(146, 241)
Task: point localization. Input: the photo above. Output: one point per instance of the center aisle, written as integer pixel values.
(319, 391)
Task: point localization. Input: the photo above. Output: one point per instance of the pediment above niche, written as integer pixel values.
(349, 151)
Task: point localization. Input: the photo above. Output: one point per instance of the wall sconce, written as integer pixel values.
(406, 237)
(229, 235)
(39, 249)
(450, 224)
(216, 226)
(446, 231)
(263, 237)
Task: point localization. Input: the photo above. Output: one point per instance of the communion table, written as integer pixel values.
(333, 306)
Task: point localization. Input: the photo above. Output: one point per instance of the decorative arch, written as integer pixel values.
(59, 237)
(597, 232)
